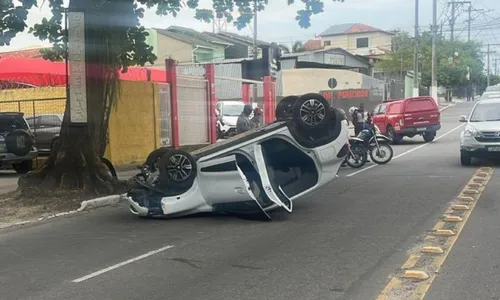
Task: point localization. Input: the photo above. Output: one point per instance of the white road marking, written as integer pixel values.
(407, 152)
(121, 264)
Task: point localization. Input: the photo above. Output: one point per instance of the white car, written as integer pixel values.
(481, 135)
(251, 173)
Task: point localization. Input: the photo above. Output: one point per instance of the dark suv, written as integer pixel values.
(17, 143)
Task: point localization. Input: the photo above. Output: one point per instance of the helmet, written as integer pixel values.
(352, 109)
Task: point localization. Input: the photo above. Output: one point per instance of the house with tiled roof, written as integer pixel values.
(358, 39)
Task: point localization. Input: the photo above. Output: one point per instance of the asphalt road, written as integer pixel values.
(343, 242)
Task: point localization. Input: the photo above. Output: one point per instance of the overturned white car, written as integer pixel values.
(251, 173)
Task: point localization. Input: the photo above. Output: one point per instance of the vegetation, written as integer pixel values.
(115, 41)
(455, 59)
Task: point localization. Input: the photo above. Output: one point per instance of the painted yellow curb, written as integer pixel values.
(470, 192)
(435, 250)
(466, 198)
(412, 274)
(449, 218)
(474, 185)
(442, 241)
(444, 232)
(460, 207)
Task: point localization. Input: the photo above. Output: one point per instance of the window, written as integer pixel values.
(394, 109)
(419, 105)
(382, 109)
(362, 42)
(49, 121)
(485, 112)
(327, 43)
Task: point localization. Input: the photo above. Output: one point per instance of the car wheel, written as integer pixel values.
(177, 169)
(312, 111)
(19, 142)
(465, 158)
(154, 157)
(111, 168)
(396, 139)
(429, 136)
(23, 167)
(284, 109)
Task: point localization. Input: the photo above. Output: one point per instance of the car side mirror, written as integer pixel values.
(462, 119)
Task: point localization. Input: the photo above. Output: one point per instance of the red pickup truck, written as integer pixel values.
(408, 117)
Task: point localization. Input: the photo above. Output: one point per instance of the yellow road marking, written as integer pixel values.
(419, 271)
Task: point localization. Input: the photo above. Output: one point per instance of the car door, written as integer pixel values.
(47, 128)
(222, 181)
(379, 117)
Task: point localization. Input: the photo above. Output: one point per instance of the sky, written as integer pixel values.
(277, 23)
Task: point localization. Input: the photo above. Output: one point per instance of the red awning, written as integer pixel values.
(40, 72)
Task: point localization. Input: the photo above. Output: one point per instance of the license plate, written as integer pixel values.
(494, 149)
(421, 129)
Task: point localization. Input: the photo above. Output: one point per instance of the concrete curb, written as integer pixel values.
(446, 107)
(84, 206)
(99, 202)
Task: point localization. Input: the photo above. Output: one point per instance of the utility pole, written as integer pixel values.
(488, 52)
(434, 58)
(469, 21)
(255, 47)
(454, 5)
(470, 10)
(415, 54)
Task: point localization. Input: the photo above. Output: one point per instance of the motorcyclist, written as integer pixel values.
(243, 124)
(359, 118)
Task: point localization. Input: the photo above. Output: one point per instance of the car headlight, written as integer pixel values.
(471, 132)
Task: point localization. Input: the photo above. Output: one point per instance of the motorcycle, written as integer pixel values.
(357, 155)
(375, 144)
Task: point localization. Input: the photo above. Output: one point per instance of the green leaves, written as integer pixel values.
(449, 74)
(120, 27)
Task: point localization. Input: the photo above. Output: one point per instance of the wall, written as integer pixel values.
(49, 100)
(301, 81)
(348, 42)
(134, 126)
(169, 47)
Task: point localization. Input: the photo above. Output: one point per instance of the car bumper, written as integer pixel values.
(135, 208)
(10, 158)
(419, 129)
(478, 149)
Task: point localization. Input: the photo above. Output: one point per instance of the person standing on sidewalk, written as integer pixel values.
(243, 124)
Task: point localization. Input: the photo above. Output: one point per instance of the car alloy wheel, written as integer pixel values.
(312, 112)
(179, 167)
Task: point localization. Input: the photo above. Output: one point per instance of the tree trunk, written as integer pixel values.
(75, 160)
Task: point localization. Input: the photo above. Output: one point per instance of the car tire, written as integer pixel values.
(110, 167)
(284, 109)
(154, 157)
(312, 111)
(23, 167)
(177, 169)
(429, 136)
(396, 139)
(19, 142)
(465, 158)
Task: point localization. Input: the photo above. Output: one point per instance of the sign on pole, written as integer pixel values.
(77, 73)
(332, 83)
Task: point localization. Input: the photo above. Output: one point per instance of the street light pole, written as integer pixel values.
(255, 47)
(415, 54)
(434, 93)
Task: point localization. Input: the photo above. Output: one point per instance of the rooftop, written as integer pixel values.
(350, 28)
